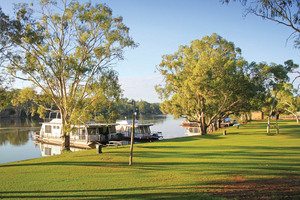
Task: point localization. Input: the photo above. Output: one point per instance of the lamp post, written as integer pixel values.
(132, 132)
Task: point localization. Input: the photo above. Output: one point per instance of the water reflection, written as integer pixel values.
(15, 136)
(53, 149)
(16, 132)
(166, 124)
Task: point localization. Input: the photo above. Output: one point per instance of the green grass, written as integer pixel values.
(182, 168)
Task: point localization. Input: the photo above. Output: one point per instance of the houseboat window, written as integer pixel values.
(137, 130)
(142, 129)
(103, 130)
(79, 131)
(112, 129)
(48, 151)
(147, 129)
(92, 131)
(48, 129)
(127, 129)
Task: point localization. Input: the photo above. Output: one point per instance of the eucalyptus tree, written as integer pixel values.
(7, 28)
(64, 48)
(25, 100)
(205, 81)
(3, 95)
(275, 76)
(289, 100)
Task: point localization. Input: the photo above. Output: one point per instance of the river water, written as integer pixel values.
(16, 137)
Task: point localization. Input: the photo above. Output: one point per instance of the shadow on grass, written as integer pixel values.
(133, 193)
(235, 156)
(237, 187)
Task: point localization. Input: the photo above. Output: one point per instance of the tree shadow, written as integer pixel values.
(132, 193)
(237, 187)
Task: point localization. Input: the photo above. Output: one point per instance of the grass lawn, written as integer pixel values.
(245, 164)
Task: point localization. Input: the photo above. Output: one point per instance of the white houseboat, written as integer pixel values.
(141, 131)
(82, 135)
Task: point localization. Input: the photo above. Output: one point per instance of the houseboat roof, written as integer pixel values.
(92, 124)
(129, 123)
(88, 124)
(138, 125)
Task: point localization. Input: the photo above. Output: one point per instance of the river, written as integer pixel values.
(16, 137)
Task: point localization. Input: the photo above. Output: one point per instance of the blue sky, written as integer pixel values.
(161, 26)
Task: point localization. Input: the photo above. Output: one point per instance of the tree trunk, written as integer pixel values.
(297, 119)
(277, 127)
(250, 117)
(203, 126)
(203, 129)
(270, 114)
(268, 126)
(219, 123)
(66, 143)
(65, 134)
(215, 127)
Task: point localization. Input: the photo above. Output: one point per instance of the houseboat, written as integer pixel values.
(141, 131)
(83, 135)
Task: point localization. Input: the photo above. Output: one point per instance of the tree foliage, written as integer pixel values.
(205, 81)
(66, 51)
(25, 101)
(288, 100)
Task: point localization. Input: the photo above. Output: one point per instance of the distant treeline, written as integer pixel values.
(19, 103)
(142, 107)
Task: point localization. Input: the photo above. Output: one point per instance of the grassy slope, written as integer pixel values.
(177, 169)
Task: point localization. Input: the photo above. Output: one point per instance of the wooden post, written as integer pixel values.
(277, 127)
(132, 135)
(224, 132)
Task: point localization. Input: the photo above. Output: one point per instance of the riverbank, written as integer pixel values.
(246, 164)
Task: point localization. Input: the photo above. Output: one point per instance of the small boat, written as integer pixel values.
(82, 135)
(141, 131)
(189, 124)
(192, 130)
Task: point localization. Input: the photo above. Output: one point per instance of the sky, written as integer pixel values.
(161, 26)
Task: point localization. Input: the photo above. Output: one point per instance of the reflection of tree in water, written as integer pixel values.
(155, 119)
(15, 122)
(14, 136)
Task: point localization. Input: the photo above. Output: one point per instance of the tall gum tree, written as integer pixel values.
(289, 100)
(205, 81)
(64, 49)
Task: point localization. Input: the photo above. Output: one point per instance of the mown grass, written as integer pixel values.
(182, 168)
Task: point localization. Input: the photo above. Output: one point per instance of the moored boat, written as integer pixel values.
(141, 131)
(82, 135)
